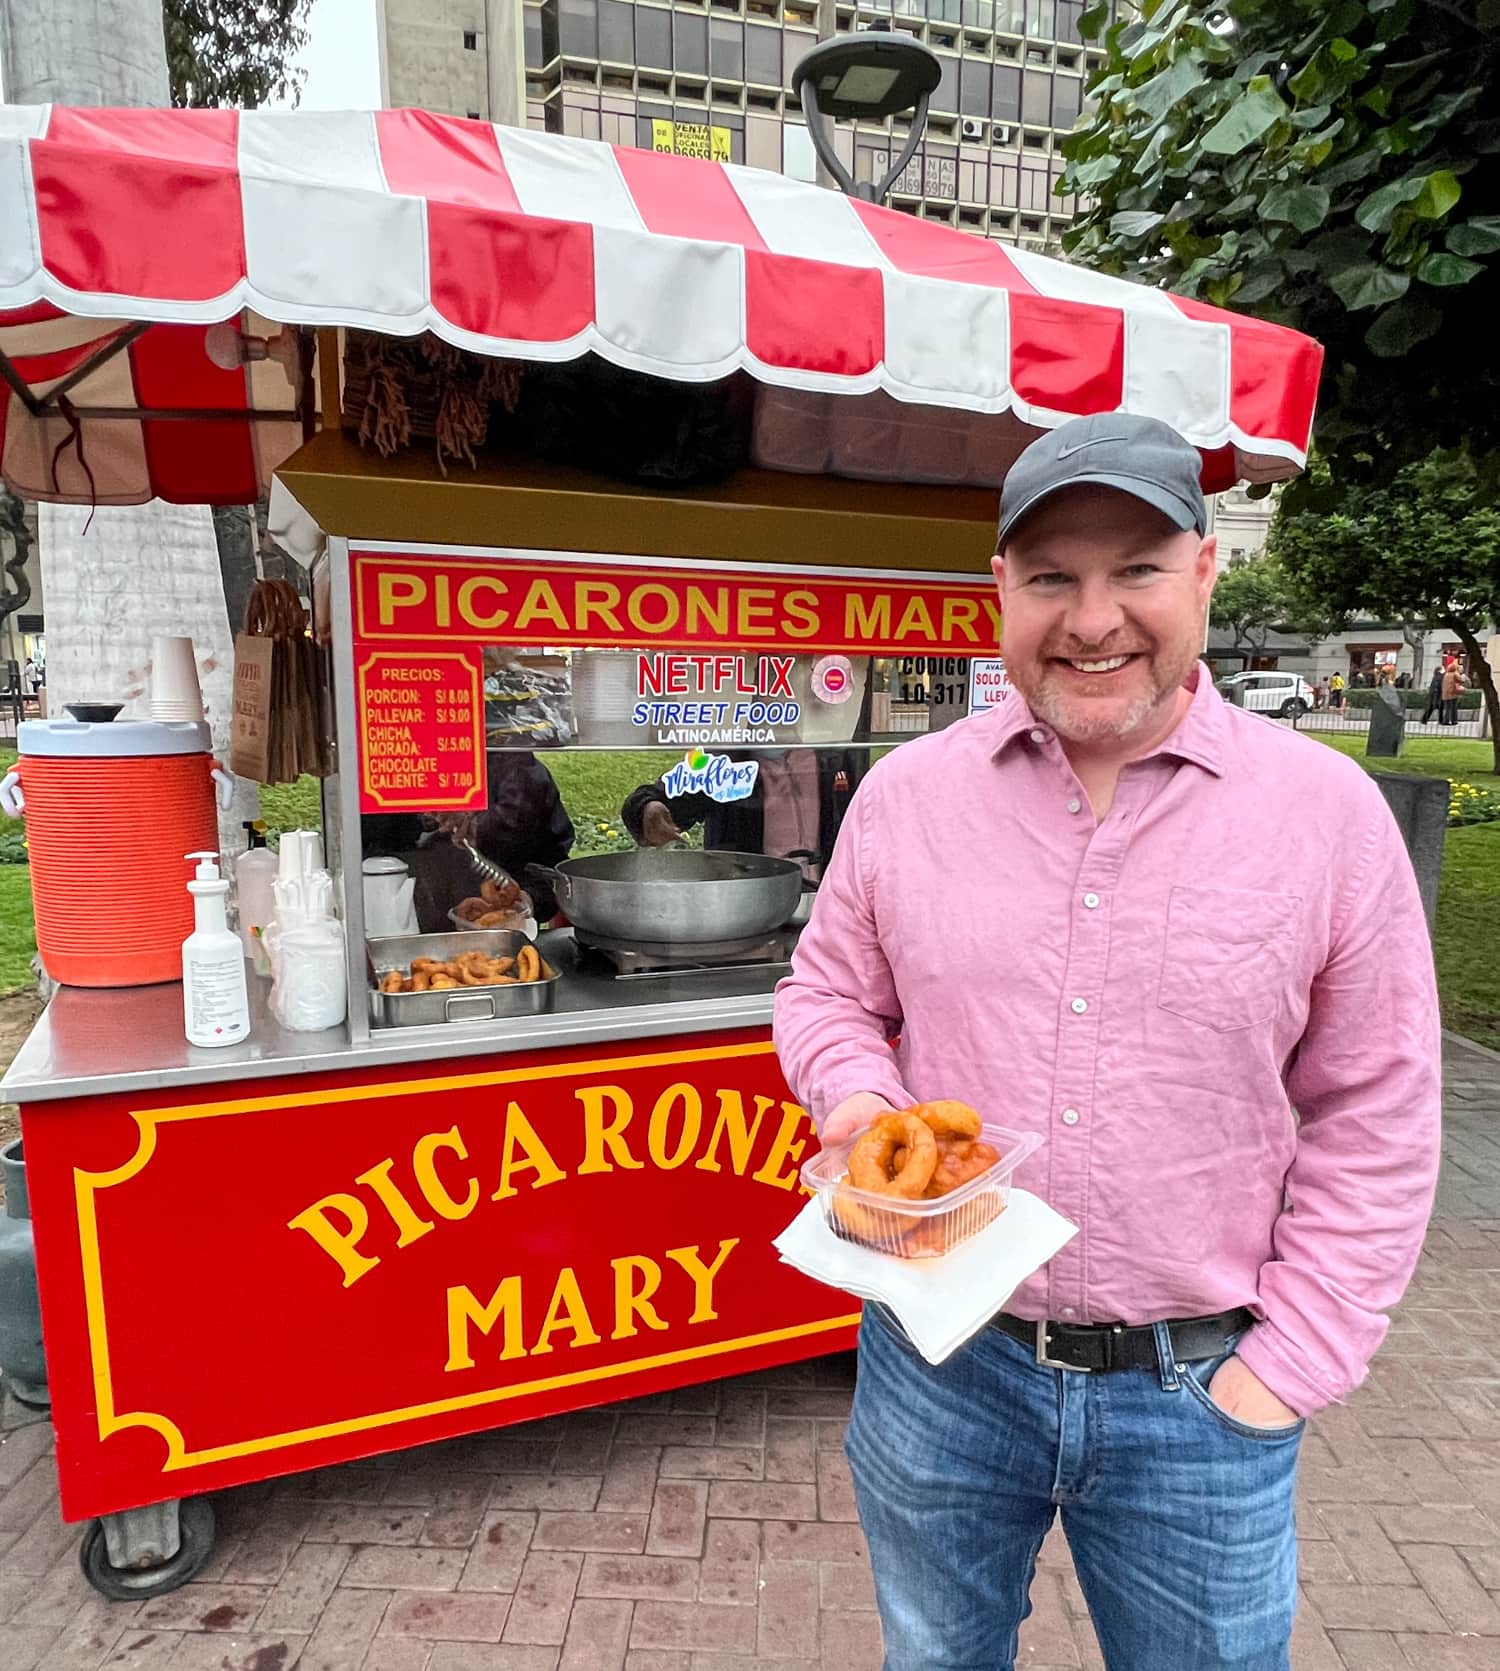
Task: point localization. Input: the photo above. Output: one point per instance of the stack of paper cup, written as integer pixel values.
(175, 691)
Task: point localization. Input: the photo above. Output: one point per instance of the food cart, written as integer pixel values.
(311, 1248)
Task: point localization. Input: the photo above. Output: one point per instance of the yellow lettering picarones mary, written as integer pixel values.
(799, 614)
(567, 1311)
(397, 591)
(468, 602)
(867, 617)
(533, 1156)
(658, 1132)
(342, 1246)
(703, 1276)
(732, 1125)
(424, 1167)
(632, 1302)
(541, 604)
(601, 1132)
(787, 1148)
(411, 1228)
(464, 1309)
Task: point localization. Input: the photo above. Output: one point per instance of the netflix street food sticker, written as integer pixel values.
(715, 699)
(421, 718)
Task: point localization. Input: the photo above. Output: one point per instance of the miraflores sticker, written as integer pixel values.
(714, 775)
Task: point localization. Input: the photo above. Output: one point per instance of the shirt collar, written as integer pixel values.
(1201, 735)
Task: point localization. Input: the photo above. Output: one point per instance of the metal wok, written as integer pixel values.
(679, 894)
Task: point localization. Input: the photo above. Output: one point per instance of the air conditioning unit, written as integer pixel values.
(971, 128)
(1001, 135)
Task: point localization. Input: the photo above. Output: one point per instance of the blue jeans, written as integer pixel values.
(1179, 1518)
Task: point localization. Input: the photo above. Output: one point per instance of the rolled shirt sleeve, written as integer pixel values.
(1366, 1083)
(837, 1011)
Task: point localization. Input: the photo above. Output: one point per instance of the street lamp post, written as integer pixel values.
(871, 75)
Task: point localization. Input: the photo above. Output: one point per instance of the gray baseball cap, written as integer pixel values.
(1142, 456)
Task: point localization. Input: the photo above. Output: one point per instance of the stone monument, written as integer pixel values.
(1387, 725)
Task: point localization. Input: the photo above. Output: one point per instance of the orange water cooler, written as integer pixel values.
(110, 811)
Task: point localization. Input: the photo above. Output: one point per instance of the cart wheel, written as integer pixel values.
(124, 1584)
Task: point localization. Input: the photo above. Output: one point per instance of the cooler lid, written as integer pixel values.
(112, 740)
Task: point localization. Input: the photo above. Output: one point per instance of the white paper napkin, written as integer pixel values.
(940, 1303)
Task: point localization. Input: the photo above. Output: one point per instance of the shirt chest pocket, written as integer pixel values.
(1228, 955)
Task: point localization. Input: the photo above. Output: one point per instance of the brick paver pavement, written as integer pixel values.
(714, 1529)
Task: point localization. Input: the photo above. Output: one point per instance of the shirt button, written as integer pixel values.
(1090, 901)
(1039, 736)
(1068, 1311)
(1070, 1116)
(1080, 1006)
(1075, 805)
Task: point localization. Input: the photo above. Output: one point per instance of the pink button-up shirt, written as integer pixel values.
(1239, 937)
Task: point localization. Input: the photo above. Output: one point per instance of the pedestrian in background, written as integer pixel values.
(1434, 695)
(1453, 688)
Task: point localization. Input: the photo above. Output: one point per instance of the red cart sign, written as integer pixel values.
(421, 730)
(302, 1272)
(547, 600)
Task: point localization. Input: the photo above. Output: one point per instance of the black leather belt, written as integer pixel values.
(1105, 1346)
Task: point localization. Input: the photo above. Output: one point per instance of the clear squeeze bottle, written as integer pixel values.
(215, 1001)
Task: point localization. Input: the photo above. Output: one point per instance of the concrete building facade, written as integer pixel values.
(713, 78)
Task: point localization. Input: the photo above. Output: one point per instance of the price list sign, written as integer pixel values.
(421, 731)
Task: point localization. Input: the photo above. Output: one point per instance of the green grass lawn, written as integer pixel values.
(17, 934)
(1468, 910)
(1458, 760)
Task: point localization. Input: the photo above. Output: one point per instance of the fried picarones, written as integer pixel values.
(429, 974)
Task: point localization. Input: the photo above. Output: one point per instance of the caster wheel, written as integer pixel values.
(126, 1584)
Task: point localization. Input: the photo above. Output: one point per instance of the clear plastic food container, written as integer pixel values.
(916, 1229)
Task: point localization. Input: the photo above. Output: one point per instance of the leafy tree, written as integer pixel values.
(1426, 547)
(1332, 165)
(1250, 600)
(234, 52)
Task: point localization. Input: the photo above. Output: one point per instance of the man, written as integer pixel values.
(1434, 694)
(1172, 925)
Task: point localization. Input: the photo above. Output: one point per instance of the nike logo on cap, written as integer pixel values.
(1093, 441)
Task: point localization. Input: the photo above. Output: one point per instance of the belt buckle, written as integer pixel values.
(1042, 1337)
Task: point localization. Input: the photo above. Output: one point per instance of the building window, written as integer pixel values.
(1041, 18)
(471, 40)
(616, 32)
(1036, 99)
(946, 96)
(1006, 101)
(531, 26)
(1067, 97)
(974, 87)
(653, 38)
(726, 49)
(578, 28)
(763, 56)
(690, 44)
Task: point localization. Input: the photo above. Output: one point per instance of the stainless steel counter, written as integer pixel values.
(87, 1043)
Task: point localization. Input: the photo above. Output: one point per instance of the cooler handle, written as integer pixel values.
(12, 801)
(225, 784)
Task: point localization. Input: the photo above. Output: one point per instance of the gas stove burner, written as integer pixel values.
(626, 958)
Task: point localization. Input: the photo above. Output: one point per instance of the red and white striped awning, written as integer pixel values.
(538, 246)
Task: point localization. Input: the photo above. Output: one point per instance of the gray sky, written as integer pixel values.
(341, 60)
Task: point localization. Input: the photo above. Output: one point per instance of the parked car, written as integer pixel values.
(1287, 694)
